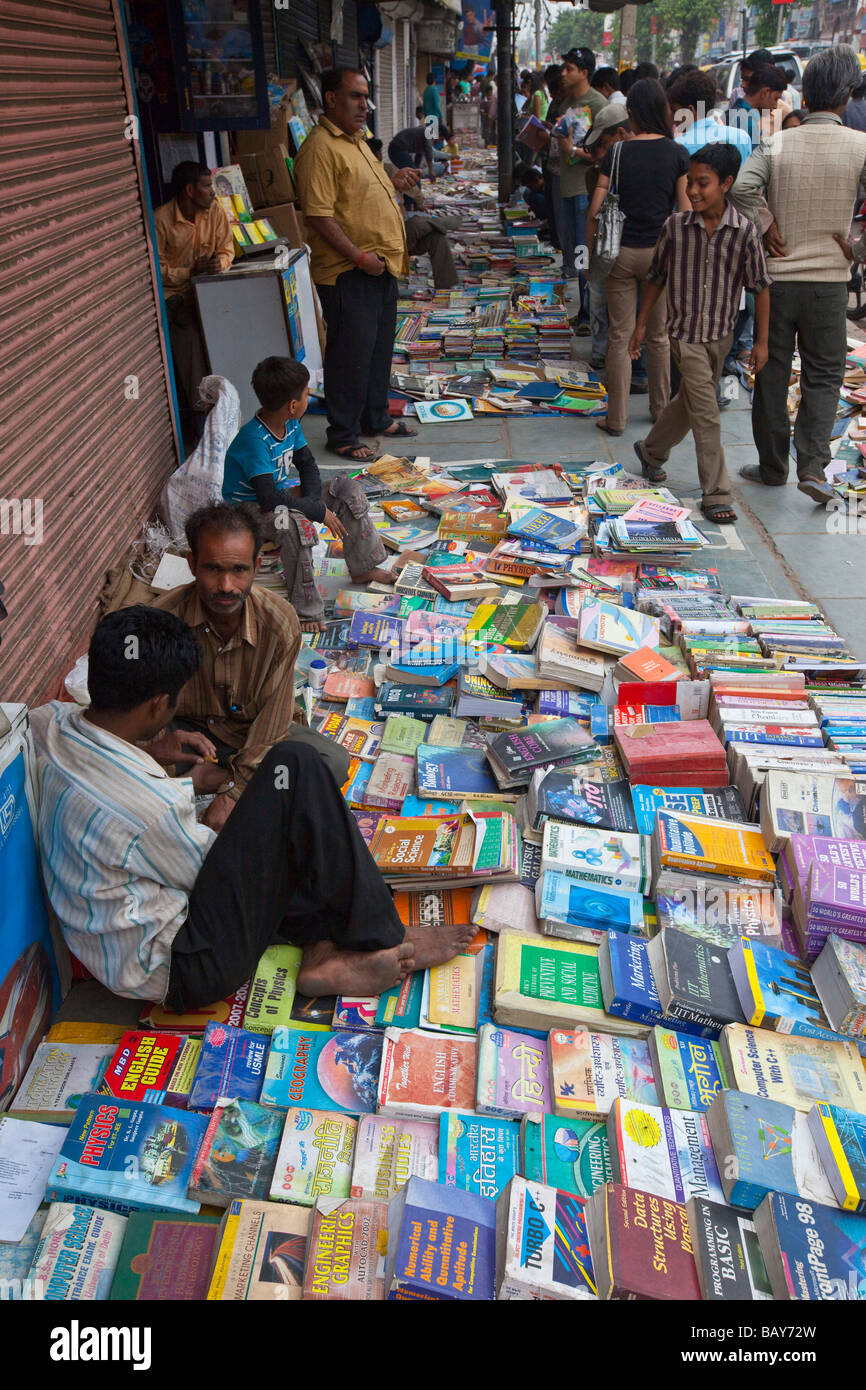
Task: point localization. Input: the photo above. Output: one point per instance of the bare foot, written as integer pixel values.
(325, 969)
(434, 945)
(312, 625)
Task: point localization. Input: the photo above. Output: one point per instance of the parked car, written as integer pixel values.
(727, 74)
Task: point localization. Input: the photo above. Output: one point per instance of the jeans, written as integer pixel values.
(811, 316)
(574, 236)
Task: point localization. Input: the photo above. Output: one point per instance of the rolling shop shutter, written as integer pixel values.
(384, 94)
(81, 331)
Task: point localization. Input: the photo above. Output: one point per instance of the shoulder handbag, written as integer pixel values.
(608, 236)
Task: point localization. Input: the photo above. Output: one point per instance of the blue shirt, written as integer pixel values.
(708, 131)
(255, 451)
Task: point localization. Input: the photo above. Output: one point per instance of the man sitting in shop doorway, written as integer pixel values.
(159, 907)
(193, 237)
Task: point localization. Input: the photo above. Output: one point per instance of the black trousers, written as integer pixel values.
(361, 318)
(290, 864)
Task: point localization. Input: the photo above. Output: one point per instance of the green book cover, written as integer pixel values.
(689, 1070)
(272, 990)
(165, 1257)
(514, 624)
(572, 1155)
(402, 734)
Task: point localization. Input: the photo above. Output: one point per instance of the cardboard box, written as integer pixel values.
(250, 169)
(286, 220)
(253, 141)
(267, 177)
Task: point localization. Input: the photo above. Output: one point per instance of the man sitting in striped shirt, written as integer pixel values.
(706, 258)
(158, 906)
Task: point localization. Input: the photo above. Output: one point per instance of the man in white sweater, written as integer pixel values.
(801, 186)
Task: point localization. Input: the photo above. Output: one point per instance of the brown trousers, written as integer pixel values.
(626, 278)
(695, 408)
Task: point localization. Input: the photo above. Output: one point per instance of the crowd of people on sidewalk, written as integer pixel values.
(705, 236)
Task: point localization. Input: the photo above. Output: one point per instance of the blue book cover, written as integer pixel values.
(323, 1071)
(231, 1063)
(599, 723)
(797, 738)
(478, 1153)
(420, 700)
(456, 771)
(634, 994)
(840, 1138)
(566, 900)
(362, 707)
(726, 804)
(753, 1140)
(127, 1157)
(488, 979)
(356, 787)
(823, 1251)
(548, 528)
(442, 1244)
(433, 674)
(374, 629)
(775, 990)
(424, 806)
(569, 703)
(400, 1007)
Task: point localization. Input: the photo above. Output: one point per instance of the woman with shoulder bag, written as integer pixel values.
(651, 174)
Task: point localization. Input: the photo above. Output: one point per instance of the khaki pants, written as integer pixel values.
(363, 548)
(695, 408)
(622, 284)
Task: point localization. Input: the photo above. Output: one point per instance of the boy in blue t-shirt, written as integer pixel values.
(270, 466)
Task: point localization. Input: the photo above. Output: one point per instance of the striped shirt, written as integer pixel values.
(243, 694)
(121, 849)
(706, 275)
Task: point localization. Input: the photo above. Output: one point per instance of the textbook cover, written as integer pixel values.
(58, 1076)
(127, 1156)
(152, 1066)
(458, 1231)
(315, 1157)
(811, 1252)
(589, 1070)
(512, 1073)
(477, 1153)
(454, 773)
(345, 1250)
(795, 1070)
(323, 1071)
(165, 1258)
(664, 1151)
(753, 1142)
(608, 858)
(725, 803)
(689, 1071)
(727, 1253)
(570, 1154)
(388, 1152)
(231, 1063)
(77, 1252)
(237, 1154)
(261, 1253)
(542, 1248)
(840, 1138)
(272, 989)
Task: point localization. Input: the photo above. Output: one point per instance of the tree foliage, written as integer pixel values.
(575, 29)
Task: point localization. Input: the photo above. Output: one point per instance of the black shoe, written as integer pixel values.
(639, 388)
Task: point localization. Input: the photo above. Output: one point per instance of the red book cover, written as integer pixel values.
(643, 1247)
(647, 693)
(141, 1066)
(423, 1074)
(648, 666)
(666, 755)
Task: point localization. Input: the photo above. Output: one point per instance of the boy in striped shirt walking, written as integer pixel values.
(706, 258)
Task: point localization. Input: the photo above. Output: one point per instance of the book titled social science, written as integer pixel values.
(323, 1071)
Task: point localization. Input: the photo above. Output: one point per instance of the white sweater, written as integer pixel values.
(811, 179)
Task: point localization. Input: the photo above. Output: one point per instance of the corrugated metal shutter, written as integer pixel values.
(301, 21)
(347, 52)
(269, 39)
(384, 96)
(80, 319)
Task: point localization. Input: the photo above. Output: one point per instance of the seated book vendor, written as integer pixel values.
(270, 466)
(155, 904)
(242, 697)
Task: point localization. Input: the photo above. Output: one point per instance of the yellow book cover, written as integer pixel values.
(796, 1070)
(544, 983)
(453, 993)
(708, 845)
(86, 1032)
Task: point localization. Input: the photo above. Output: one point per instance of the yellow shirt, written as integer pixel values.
(337, 176)
(179, 242)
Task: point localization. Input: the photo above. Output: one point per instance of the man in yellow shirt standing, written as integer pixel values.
(358, 244)
(193, 237)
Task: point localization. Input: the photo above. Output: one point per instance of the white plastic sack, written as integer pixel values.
(199, 479)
